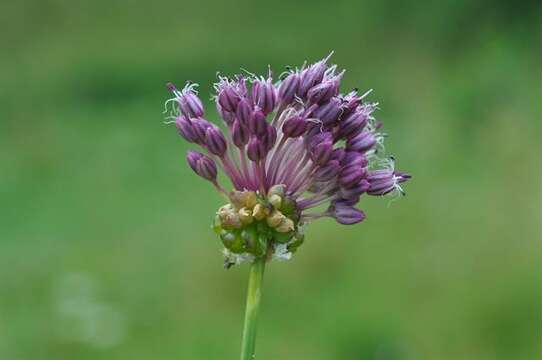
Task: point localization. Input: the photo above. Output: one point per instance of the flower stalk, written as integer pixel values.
(254, 294)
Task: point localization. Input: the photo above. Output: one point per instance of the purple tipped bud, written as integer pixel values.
(321, 153)
(294, 126)
(352, 125)
(338, 154)
(215, 141)
(200, 127)
(269, 138)
(288, 87)
(354, 158)
(351, 175)
(202, 165)
(227, 116)
(255, 150)
(184, 126)
(240, 134)
(264, 95)
(345, 214)
(385, 181)
(189, 103)
(244, 110)
(228, 97)
(329, 171)
(329, 112)
(355, 191)
(351, 101)
(311, 76)
(257, 124)
(324, 91)
(319, 138)
(352, 201)
(362, 142)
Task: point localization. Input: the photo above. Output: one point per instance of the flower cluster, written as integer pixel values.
(295, 150)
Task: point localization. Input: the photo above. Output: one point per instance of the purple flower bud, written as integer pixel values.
(311, 76)
(184, 126)
(257, 124)
(329, 112)
(269, 138)
(228, 96)
(354, 158)
(255, 149)
(351, 101)
(288, 87)
(352, 201)
(329, 171)
(294, 126)
(321, 153)
(264, 95)
(200, 126)
(382, 182)
(361, 142)
(355, 191)
(319, 138)
(188, 100)
(244, 110)
(323, 91)
(215, 141)
(338, 154)
(227, 116)
(352, 125)
(202, 165)
(351, 175)
(345, 214)
(240, 134)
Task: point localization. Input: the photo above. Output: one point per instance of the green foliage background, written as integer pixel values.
(105, 247)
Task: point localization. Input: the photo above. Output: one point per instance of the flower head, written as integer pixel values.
(295, 150)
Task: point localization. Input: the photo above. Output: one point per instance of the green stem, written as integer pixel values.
(254, 293)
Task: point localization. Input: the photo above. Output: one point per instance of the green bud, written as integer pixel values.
(262, 228)
(275, 200)
(282, 238)
(288, 206)
(256, 244)
(217, 224)
(298, 239)
(232, 241)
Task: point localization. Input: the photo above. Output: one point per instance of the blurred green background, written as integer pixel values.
(105, 246)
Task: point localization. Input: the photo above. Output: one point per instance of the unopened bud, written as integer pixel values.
(361, 142)
(245, 215)
(275, 218)
(287, 225)
(202, 165)
(229, 217)
(260, 212)
(241, 199)
(276, 201)
(288, 87)
(232, 241)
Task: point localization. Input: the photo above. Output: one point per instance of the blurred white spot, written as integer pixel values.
(83, 317)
